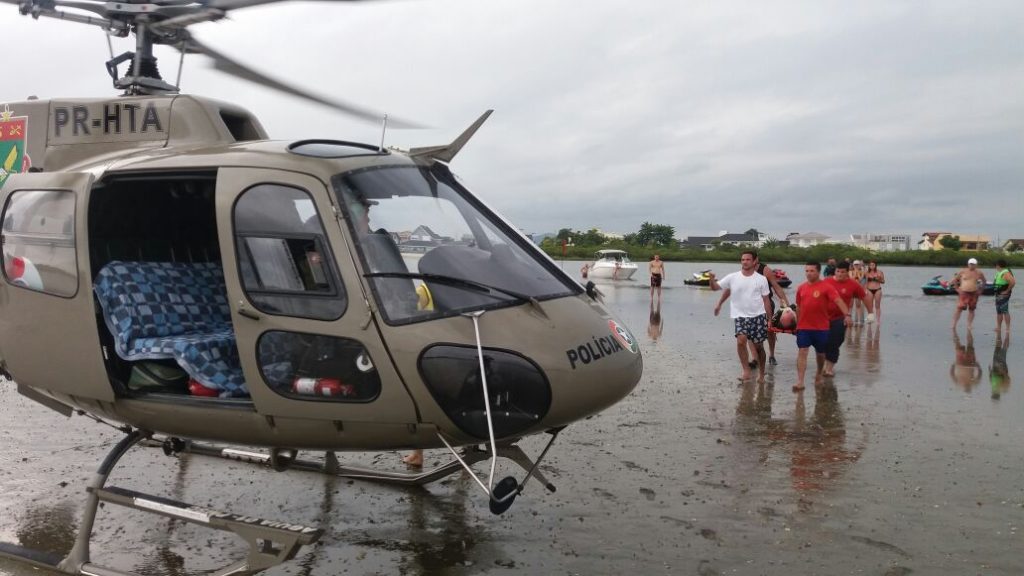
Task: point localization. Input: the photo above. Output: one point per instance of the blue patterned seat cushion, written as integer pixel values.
(173, 310)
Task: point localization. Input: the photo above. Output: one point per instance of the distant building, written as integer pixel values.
(1013, 245)
(881, 242)
(610, 235)
(808, 239)
(930, 240)
(422, 239)
(724, 239)
(968, 242)
(974, 242)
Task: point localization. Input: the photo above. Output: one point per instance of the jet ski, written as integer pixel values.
(939, 287)
(701, 278)
(781, 278)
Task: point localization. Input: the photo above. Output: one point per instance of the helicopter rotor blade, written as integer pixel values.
(187, 19)
(100, 9)
(236, 4)
(226, 64)
(48, 9)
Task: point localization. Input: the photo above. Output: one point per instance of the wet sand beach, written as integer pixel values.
(910, 462)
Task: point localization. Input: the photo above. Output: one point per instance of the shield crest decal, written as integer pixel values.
(13, 140)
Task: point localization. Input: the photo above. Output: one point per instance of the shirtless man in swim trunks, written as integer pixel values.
(969, 283)
(657, 275)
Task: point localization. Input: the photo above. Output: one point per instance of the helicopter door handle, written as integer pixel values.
(243, 311)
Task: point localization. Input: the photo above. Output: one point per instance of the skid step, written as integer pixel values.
(37, 558)
(270, 542)
(331, 466)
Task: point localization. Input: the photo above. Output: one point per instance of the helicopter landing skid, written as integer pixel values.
(270, 543)
(331, 466)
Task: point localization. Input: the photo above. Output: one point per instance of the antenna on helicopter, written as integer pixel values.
(383, 131)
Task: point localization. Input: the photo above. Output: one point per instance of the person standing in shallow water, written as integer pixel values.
(1004, 283)
(969, 283)
(657, 276)
(749, 309)
(873, 280)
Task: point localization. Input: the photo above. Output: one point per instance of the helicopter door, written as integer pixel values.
(300, 321)
(46, 311)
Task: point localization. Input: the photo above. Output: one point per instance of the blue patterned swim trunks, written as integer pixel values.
(755, 329)
(1003, 303)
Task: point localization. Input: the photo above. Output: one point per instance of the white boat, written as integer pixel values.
(611, 264)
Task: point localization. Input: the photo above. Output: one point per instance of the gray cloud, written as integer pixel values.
(836, 117)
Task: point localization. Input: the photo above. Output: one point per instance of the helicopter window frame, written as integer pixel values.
(285, 357)
(476, 215)
(11, 236)
(260, 297)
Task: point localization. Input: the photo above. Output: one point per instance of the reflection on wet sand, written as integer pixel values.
(655, 323)
(447, 547)
(325, 517)
(163, 559)
(817, 447)
(820, 451)
(438, 535)
(998, 371)
(965, 371)
(863, 346)
(49, 527)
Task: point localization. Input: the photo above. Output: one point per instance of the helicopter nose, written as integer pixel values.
(594, 372)
(556, 385)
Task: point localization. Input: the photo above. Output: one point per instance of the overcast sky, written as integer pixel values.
(834, 117)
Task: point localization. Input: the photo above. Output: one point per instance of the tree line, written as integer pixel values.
(660, 239)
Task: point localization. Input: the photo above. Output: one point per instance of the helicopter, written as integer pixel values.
(170, 268)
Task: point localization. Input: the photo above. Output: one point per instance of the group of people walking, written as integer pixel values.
(830, 301)
(825, 309)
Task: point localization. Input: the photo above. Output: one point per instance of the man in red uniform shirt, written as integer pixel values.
(848, 289)
(812, 300)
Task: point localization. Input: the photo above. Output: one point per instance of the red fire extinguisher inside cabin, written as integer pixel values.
(322, 387)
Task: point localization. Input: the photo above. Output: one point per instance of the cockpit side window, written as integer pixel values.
(39, 241)
(284, 258)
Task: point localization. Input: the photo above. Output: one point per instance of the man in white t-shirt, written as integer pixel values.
(749, 309)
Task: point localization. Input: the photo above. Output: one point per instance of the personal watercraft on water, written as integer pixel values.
(939, 287)
(702, 278)
(781, 278)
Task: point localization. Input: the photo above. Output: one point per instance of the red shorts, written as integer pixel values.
(968, 300)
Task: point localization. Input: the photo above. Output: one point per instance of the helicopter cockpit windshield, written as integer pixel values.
(431, 250)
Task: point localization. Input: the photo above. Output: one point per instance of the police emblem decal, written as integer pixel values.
(623, 336)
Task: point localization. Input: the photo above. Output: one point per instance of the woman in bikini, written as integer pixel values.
(875, 278)
(857, 274)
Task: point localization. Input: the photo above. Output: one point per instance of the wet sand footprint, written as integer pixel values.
(648, 493)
